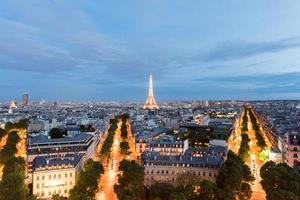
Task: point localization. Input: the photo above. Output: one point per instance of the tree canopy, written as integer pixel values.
(57, 133)
(232, 177)
(13, 185)
(87, 185)
(280, 181)
(131, 183)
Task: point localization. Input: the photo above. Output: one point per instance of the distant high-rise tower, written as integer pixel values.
(150, 103)
(25, 100)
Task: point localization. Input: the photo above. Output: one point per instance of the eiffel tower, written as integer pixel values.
(150, 103)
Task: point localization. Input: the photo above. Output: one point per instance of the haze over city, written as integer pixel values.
(97, 50)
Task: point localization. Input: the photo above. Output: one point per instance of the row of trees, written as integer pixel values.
(87, 184)
(232, 183)
(280, 181)
(131, 183)
(12, 185)
(259, 137)
(245, 121)
(10, 148)
(2, 133)
(21, 124)
(124, 132)
(106, 147)
(244, 148)
(124, 146)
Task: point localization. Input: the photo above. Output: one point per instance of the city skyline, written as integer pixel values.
(198, 51)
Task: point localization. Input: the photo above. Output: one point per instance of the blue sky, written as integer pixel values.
(105, 50)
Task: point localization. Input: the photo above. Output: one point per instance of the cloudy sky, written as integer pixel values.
(105, 50)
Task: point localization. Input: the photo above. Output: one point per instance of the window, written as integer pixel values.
(49, 177)
(295, 155)
(59, 175)
(54, 176)
(37, 186)
(43, 177)
(295, 148)
(37, 178)
(66, 175)
(71, 174)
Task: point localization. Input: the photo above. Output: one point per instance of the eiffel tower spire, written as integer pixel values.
(150, 103)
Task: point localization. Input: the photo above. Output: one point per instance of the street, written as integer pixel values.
(253, 161)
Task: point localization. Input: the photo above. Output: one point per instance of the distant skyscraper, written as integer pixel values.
(150, 103)
(25, 100)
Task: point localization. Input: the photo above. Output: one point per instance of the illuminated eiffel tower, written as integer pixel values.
(150, 103)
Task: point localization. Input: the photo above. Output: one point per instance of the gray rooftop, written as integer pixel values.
(195, 161)
(42, 139)
(48, 161)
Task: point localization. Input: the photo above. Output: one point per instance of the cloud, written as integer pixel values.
(239, 49)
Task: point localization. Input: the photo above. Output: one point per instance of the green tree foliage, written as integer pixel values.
(125, 117)
(124, 132)
(2, 133)
(188, 184)
(21, 124)
(245, 121)
(57, 133)
(13, 186)
(259, 137)
(161, 191)
(124, 146)
(10, 148)
(244, 148)
(131, 183)
(58, 197)
(87, 128)
(231, 176)
(280, 181)
(106, 148)
(87, 185)
(208, 191)
(197, 138)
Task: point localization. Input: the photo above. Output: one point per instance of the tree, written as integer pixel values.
(177, 196)
(58, 197)
(2, 133)
(131, 183)
(124, 146)
(87, 185)
(280, 181)
(232, 174)
(161, 190)
(188, 184)
(244, 148)
(13, 186)
(106, 147)
(10, 148)
(245, 191)
(57, 133)
(208, 191)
